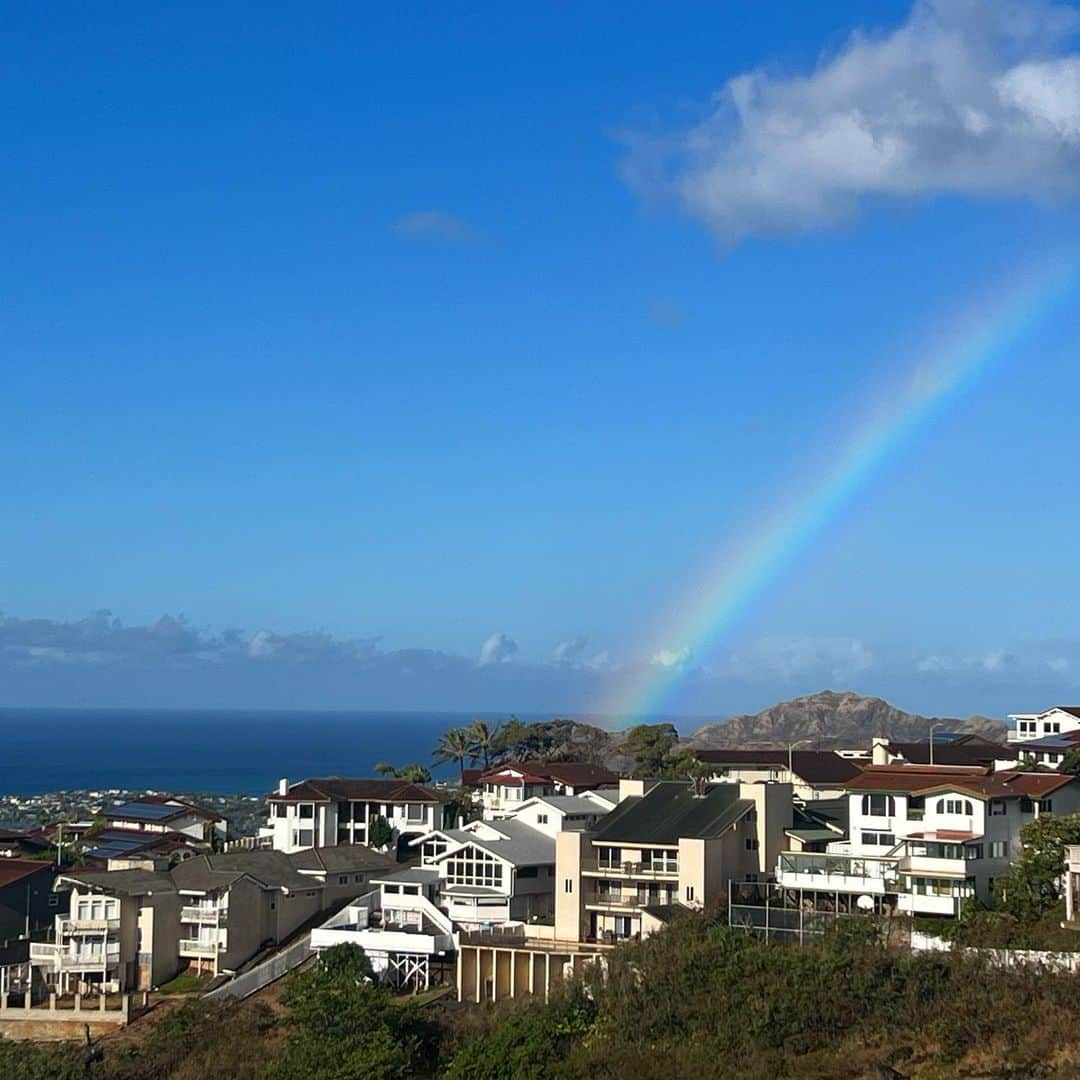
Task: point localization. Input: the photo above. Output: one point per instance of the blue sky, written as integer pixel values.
(441, 350)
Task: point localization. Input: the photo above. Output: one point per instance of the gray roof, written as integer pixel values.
(572, 804)
(271, 869)
(522, 845)
(123, 882)
(344, 858)
(670, 811)
(413, 875)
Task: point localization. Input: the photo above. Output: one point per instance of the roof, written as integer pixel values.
(415, 875)
(158, 809)
(671, 811)
(810, 835)
(963, 750)
(341, 859)
(813, 766)
(1062, 742)
(982, 783)
(12, 870)
(119, 843)
(520, 844)
(471, 777)
(270, 869)
(568, 804)
(335, 788)
(570, 773)
(122, 882)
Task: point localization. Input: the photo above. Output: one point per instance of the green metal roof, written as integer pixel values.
(670, 811)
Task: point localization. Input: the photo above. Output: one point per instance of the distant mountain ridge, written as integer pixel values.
(831, 719)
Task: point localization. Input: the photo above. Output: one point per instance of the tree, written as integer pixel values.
(1070, 763)
(651, 746)
(484, 740)
(1033, 883)
(380, 834)
(455, 745)
(1027, 764)
(415, 774)
(699, 773)
(344, 1027)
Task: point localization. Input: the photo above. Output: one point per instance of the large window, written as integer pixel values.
(432, 849)
(878, 806)
(663, 860)
(610, 857)
(472, 866)
(879, 839)
(303, 837)
(414, 812)
(307, 810)
(999, 849)
(955, 806)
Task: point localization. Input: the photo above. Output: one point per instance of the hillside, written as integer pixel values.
(830, 718)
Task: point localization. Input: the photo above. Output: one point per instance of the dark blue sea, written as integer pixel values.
(225, 751)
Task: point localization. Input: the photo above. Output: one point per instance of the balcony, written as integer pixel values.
(654, 871)
(88, 926)
(616, 901)
(57, 957)
(199, 914)
(194, 947)
(838, 873)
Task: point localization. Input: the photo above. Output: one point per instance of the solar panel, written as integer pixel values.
(144, 811)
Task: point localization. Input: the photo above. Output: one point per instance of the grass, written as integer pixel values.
(186, 983)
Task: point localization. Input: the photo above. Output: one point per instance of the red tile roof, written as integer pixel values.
(982, 783)
(571, 773)
(334, 788)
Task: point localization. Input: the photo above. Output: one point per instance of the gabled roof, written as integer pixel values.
(341, 788)
(124, 843)
(566, 804)
(270, 869)
(570, 773)
(671, 811)
(813, 766)
(964, 750)
(121, 882)
(158, 809)
(982, 783)
(520, 844)
(341, 859)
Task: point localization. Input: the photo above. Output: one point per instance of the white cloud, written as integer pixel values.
(670, 657)
(497, 649)
(836, 659)
(435, 225)
(566, 652)
(969, 97)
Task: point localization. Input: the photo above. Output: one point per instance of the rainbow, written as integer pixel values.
(987, 332)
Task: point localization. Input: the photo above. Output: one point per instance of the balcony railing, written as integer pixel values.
(194, 947)
(58, 957)
(615, 900)
(655, 869)
(198, 914)
(88, 926)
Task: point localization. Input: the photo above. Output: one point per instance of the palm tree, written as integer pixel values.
(455, 745)
(484, 740)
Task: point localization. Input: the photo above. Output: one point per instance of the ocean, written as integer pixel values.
(222, 751)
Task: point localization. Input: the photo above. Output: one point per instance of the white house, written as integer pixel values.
(1054, 721)
(923, 838)
(504, 788)
(165, 814)
(336, 810)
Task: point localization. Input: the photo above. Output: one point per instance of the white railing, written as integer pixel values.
(265, 973)
(194, 947)
(86, 926)
(197, 913)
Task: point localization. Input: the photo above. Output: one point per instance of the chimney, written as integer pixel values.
(879, 750)
(283, 786)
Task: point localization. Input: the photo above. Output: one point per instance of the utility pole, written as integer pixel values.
(932, 729)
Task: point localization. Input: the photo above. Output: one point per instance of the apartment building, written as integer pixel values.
(1053, 721)
(336, 810)
(136, 928)
(665, 844)
(27, 902)
(812, 774)
(924, 838)
(504, 788)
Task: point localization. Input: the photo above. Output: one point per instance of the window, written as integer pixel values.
(528, 872)
(303, 838)
(945, 851)
(473, 866)
(751, 843)
(661, 860)
(414, 812)
(973, 851)
(879, 839)
(1044, 806)
(999, 849)
(358, 877)
(607, 858)
(998, 807)
(343, 879)
(1026, 805)
(541, 819)
(568, 885)
(432, 849)
(1052, 728)
(277, 810)
(878, 806)
(307, 810)
(955, 806)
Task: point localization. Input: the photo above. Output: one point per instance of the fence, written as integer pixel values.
(781, 914)
(1008, 958)
(265, 973)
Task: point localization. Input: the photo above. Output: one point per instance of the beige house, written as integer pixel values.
(663, 846)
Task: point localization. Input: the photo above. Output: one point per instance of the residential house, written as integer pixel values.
(20, 843)
(1054, 721)
(504, 788)
(665, 844)
(335, 810)
(1047, 750)
(946, 748)
(817, 824)
(165, 814)
(27, 902)
(813, 774)
(924, 838)
(553, 814)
